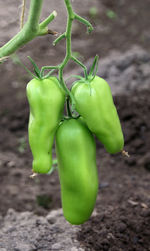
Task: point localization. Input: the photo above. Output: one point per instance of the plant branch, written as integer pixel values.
(48, 68)
(59, 38)
(31, 29)
(71, 16)
(70, 19)
(82, 65)
(48, 20)
(34, 13)
(84, 21)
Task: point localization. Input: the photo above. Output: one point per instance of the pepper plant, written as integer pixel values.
(90, 110)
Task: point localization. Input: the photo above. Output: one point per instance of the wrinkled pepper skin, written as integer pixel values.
(95, 104)
(46, 100)
(76, 153)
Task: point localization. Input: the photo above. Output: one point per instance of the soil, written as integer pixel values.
(122, 213)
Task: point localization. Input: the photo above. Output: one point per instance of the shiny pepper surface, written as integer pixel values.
(76, 153)
(95, 104)
(46, 100)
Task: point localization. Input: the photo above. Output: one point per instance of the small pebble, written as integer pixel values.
(122, 227)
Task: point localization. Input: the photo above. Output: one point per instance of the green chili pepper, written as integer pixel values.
(95, 104)
(76, 153)
(46, 100)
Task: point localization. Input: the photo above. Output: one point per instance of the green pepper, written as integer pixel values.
(76, 153)
(95, 104)
(46, 100)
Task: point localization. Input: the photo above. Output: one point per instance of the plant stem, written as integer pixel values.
(31, 29)
(59, 38)
(34, 13)
(84, 21)
(48, 68)
(68, 38)
(70, 19)
(68, 108)
(71, 16)
(82, 65)
(48, 20)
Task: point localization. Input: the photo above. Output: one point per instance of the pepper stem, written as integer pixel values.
(69, 113)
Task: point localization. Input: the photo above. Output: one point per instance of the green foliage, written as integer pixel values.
(111, 14)
(93, 11)
(54, 166)
(22, 145)
(77, 55)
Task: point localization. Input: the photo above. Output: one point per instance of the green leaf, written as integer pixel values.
(22, 145)
(36, 68)
(16, 60)
(55, 161)
(111, 14)
(77, 55)
(94, 67)
(52, 170)
(54, 166)
(93, 11)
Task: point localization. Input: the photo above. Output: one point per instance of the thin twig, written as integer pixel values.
(3, 59)
(33, 175)
(124, 153)
(22, 14)
(51, 32)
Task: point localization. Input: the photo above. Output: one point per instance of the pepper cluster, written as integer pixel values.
(74, 138)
